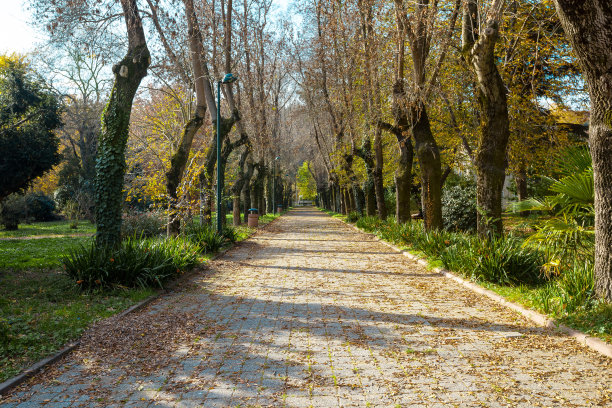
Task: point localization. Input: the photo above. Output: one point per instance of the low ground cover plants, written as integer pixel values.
(136, 263)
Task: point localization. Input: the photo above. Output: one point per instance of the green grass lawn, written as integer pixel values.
(42, 310)
(49, 228)
(21, 254)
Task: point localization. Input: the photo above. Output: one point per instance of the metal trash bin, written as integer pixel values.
(253, 220)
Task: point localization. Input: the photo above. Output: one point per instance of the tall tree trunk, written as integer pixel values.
(431, 171)
(245, 193)
(588, 25)
(179, 159)
(521, 186)
(110, 162)
(491, 156)
(403, 182)
(378, 176)
(238, 185)
(365, 153)
(174, 175)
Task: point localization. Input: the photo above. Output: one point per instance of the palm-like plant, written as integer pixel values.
(568, 235)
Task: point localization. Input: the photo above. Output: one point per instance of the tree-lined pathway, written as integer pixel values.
(310, 312)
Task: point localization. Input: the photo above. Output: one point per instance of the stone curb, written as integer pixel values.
(11, 383)
(593, 343)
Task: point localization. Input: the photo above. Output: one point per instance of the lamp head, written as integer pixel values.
(229, 78)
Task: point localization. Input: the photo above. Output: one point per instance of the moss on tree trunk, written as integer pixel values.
(110, 161)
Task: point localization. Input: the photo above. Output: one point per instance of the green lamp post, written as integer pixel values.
(227, 79)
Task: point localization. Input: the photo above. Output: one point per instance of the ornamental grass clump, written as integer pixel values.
(574, 289)
(353, 216)
(205, 237)
(369, 223)
(135, 263)
(502, 260)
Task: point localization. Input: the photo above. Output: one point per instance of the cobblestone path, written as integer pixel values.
(311, 313)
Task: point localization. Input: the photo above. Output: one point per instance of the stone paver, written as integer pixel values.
(312, 313)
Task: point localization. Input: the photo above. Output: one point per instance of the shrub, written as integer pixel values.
(498, 260)
(143, 263)
(390, 199)
(353, 216)
(229, 234)
(570, 291)
(369, 223)
(459, 207)
(13, 211)
(205, 237)
(143, 225)
(40, 207)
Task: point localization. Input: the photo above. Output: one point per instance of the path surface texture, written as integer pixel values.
(310, 312)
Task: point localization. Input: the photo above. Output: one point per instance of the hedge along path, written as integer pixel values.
(313, 313)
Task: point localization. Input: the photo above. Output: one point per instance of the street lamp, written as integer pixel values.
(274, 184)
(227, 79)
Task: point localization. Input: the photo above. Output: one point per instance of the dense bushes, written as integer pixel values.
(40, 207)
(142, 225)
(459, 206)
(353, 216)
(144, 262)
(17, 208)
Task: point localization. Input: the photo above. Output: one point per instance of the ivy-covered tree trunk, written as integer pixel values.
(588, 25)
(491, 156)
(110, 162)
